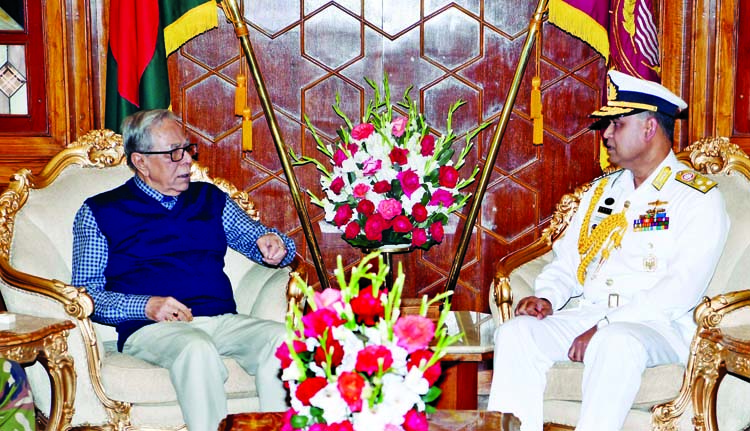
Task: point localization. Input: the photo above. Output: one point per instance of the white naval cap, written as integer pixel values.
(627, 95)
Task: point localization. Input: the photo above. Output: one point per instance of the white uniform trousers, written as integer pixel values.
(526, 348)
(192, 352)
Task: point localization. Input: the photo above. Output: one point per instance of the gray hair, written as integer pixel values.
(136, 130)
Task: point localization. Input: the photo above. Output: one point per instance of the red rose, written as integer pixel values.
(398, 156)
(368, 309)
(402, 224)
(374, 227)
(436, 231)
(418, 237)
(337, 184)
(282, 352)
(350, 386)
(448, 176)
(362, 131)
(316, 322)
(409, 181)
(366, 207)
(343, 215)
(309, 387)
(372, 359)
(428, 145)
(382, 187)
(352, 230)
(442, 197)
(360, 190)
(415, 421)
(334, 348)
(419, 212)
(420, 358)
(338, 157)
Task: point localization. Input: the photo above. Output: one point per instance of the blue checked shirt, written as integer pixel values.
(90, 251)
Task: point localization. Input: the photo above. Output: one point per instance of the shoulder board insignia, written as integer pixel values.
(695, 180)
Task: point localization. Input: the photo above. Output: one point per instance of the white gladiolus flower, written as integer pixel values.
(329, 400)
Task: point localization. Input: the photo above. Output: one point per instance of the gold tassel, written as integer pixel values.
(240, 97)
(536, 111)
(247, 130)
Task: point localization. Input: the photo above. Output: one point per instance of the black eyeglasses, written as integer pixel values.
(177, 154)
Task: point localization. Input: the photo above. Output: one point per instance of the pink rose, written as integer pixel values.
(418, 237)
(382, 187)
(420, 359)
(352, 230)
(309, 387)
(365, 207)
(436, 231)
(362, 131)
(398, 126)
(371, 166)
(343, 215)
(372, 359)
(419, 212)
(328, 298)
(448, 176)
(374, 227)
(398, 156)
(401, 223)
(389, 208)
(337, 184)
(360, 190)
(350, 387)
(338, 157)
(427, 145)
(414, 332)
(415, 421)
(409, 182)
(316, 322)
(367, 309)
(442, 196)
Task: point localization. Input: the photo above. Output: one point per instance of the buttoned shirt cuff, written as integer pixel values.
(137, 307)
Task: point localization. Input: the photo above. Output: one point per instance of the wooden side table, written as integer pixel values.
(720, 351)
(44, 339)
(461, 363)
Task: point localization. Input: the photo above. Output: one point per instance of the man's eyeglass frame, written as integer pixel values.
(177, 154)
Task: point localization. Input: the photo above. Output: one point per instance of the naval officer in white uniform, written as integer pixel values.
(639, 254)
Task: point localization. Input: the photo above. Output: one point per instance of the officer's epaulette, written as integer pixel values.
(695, 180)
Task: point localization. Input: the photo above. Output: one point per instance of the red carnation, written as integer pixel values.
(362, 131)
(398, 156)
(402, 224)
(352, 230)
(382, 187)
(337, 184)
(372, 359)
(448, 176)
(334, 348)
(343, 215)
(366, 207)
(428, 145)
(308, 388)
(374, 227)
(316, 322)
(338, 157)
(415, 421)
(436, 231)
(421, 357)
(368, 309)
(350, 386)
(282, 352)
(418, 237)
(419, 212)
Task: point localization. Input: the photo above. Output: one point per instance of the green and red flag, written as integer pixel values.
(142, 34)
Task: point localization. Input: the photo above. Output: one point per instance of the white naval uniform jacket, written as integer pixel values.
(659, 276)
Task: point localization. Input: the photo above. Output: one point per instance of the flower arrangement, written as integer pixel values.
(353, 363)
(391, 182)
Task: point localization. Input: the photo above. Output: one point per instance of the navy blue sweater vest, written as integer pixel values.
(160, 252)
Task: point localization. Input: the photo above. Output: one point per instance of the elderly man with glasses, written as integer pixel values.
(151, 254)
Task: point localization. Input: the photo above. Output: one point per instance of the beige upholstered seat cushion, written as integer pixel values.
(128, 378)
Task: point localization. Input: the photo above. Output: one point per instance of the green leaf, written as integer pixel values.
(432, 394)
(298, 421)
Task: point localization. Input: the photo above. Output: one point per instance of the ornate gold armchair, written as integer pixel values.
(664, 399)
(114, 391)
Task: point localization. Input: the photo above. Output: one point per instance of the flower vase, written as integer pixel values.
(387, 251)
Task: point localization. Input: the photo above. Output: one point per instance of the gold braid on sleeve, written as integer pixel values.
(610, 232)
